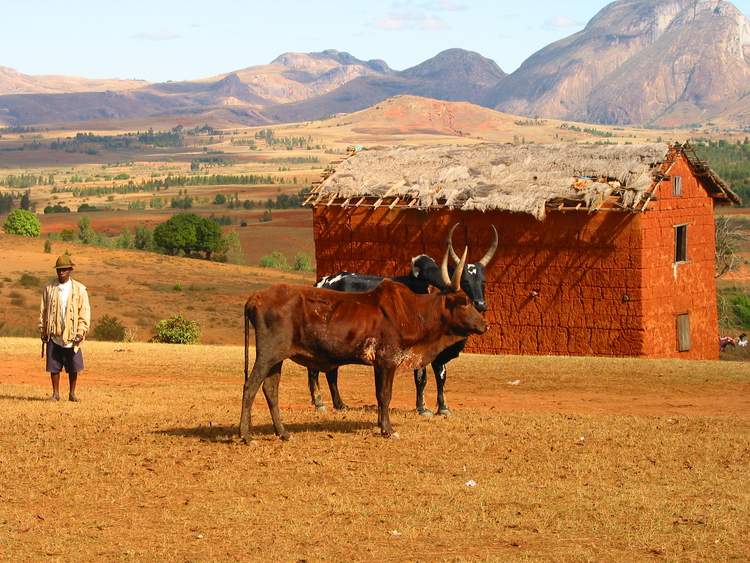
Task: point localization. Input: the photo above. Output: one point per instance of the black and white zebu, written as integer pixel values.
(425, 273)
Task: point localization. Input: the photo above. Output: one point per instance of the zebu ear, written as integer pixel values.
(456, 282)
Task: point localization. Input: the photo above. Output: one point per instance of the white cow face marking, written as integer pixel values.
(471, 269)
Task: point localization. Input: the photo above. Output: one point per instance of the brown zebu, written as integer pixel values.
(388, 328)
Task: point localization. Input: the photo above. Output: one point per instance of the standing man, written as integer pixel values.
(64, 318)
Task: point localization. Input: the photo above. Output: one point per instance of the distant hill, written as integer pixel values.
(14, 82)
(648, 62)
(293, 87)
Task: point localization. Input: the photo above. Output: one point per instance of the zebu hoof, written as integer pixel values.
(320, 408)
(427, 413)
(444, 411)
(391, 435)
(341, 407)
(285, 437)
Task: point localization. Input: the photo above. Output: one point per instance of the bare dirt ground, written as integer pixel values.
(573, 458)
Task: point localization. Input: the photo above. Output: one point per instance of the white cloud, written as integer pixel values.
(561, 22)
(444, 6)
(401, 21)
(156, 35)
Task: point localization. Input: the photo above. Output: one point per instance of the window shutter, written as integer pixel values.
(683, 332)
(680, 243)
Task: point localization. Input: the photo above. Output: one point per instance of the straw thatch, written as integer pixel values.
(525, 178)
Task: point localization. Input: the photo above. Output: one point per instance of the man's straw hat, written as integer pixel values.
(64, 261)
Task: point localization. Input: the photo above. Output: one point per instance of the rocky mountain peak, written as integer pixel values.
(458, 64)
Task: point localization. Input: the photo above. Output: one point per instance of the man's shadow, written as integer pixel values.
(20, 398)
(229, 432)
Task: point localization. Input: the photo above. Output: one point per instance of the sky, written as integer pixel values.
(160, 40)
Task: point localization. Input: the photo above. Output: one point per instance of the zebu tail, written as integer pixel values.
(254, 302)
(247, 341)
(250, 317)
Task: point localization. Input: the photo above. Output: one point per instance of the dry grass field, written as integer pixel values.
(583, 459)
(140, 288)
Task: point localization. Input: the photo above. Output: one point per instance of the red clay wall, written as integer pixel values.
(585, 268)
(690, 287)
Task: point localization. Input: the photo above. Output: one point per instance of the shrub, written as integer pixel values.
(274, 260)
(86, 207)
(109, 329)
(177, 330)
(302, 262)
(17, 299)
(28, 280)
(22, 222)
(57, 208)
(48, 246)
(266, 217)
(741, 310)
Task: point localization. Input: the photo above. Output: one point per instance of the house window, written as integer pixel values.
(677, 186)
(680, 243)
(683, 332)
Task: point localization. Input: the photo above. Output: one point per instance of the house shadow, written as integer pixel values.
(229, 432)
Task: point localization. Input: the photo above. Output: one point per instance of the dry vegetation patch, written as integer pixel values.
(584, 458)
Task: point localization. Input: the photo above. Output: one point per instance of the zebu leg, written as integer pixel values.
(271, 391)
(440, 375)
(420, 382)
(383, 391)
(333, 384)
(313, 383)
(250, 389)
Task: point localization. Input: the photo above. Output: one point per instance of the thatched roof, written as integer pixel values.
(520, 178)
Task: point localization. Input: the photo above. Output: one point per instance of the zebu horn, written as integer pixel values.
(444, 270)
(456, 282)
(491, 252)
(454, 256)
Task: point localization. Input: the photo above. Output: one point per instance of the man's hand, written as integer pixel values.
(77, 340)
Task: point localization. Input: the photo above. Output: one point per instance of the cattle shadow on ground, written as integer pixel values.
(230, 432)
(22, 398)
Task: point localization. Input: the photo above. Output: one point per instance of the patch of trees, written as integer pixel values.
(34, 145)
(196, 163)
(290, 143)
(22, 181)
(89, 143)
(729, 160)
(295, 160)
(281, 201)
(57, 208)
(6, 203)
(188, 234)
(529, 122)
(590, 130)
(85, 207)
(156, 184)
(204, 129)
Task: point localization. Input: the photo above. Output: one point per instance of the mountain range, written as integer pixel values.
(654, 62)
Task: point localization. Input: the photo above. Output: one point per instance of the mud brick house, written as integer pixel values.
(604, 249)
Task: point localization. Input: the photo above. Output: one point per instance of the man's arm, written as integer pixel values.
(43, 315)
(84, 316)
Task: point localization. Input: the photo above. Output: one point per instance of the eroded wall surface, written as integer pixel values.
(569, 285)
(669, 288)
